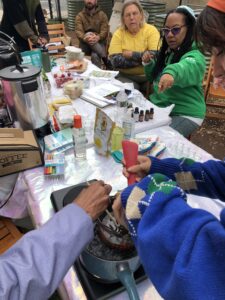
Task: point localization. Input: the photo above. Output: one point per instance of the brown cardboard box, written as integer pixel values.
(19, 150)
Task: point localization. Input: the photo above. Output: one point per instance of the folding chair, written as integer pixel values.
(58, 40)
(214, 97)
(9, 234)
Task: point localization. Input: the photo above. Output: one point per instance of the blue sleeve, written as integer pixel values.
(202, 179)
(34, 267)
(181, 248)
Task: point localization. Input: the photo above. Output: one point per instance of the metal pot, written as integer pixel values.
(24, 95)
(109, 263)
(113, 271)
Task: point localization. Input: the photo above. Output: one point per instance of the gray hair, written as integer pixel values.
(128, 3)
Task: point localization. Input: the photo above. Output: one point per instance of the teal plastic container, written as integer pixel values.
(32, 57)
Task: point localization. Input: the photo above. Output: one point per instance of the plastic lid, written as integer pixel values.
(14, 73)
(45, 50)
(77, 122)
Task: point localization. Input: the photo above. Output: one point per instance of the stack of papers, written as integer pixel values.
(101, 95)
(104, 74)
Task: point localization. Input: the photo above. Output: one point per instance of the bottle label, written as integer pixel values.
(128, 129)
(79, 140)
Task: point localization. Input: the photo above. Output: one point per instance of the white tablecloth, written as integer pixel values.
(37, 188)
(98, 167)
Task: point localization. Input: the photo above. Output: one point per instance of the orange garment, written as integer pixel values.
(217, 4)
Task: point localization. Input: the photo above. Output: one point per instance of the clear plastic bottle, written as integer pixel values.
(128, 125)
(121, 106)
(79, 138)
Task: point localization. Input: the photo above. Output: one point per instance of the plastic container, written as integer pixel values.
(79, 138)
(46, 62)
(121, 106)
(33, 58)
(116, 139)
(128, 125)
(54, 164)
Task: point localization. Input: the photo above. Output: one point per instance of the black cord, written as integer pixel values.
(7, 200)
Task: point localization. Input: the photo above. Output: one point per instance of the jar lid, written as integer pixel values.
(77, 122)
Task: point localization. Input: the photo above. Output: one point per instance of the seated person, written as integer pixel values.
(129, 42)
(91, 27)
(177, 72)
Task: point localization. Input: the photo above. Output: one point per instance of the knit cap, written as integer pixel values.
(217, 4)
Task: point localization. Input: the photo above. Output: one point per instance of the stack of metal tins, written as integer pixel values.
(153, 9)
(159, 21)
(75, 6)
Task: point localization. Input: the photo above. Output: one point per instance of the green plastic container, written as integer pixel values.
(32, 57)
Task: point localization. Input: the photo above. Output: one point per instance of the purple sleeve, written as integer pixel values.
(37, 263)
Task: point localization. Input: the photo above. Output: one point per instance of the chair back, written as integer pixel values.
(214, 97)
(58, 40)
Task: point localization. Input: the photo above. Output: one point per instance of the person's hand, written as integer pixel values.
(166, 82)
(147, 57)
(95, 38)
(92, 38)
(118, 211)
(141, 169)
(94, 199)
(88, 37)
(127, 54)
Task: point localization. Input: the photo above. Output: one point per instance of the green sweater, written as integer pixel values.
(187, 90)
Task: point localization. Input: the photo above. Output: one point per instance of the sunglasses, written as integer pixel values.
(175, 30)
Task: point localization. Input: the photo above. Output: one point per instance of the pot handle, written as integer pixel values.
(126, 277)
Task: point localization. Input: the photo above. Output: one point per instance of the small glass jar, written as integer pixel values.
(141, 116)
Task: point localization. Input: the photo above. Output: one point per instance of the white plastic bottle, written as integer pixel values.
(121, 106)
(79, 138)
(128, 125)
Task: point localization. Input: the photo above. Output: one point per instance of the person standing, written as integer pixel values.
(19, 21)
(91, 28)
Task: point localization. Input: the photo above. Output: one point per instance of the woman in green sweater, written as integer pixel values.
(177, 72)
